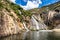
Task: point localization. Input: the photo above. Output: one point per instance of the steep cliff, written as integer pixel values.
(49, 14)
(11, 18)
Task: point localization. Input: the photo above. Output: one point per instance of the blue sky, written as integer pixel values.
(30, 4)
(47, 2)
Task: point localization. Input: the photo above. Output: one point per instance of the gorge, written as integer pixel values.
(14, 19)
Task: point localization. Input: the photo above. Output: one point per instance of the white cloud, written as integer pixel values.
(25, 0)
(12, 1)
(31, 5)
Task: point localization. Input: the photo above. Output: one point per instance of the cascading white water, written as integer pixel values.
(40, 22)
(35, 23)
(25, 26)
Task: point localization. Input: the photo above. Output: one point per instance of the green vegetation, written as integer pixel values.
(17, 8)
(6, 4)
(26, 13)
(1, 5)
(11, 15)
(43, 12)
(7, 9)
(54, 6)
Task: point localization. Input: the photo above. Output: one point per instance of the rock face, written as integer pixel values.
(9, 18)
(13, 18)
(50, 15)
(8, 25)
(37, 23)
(53, 20)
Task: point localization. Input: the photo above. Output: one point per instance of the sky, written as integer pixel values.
(30, 4)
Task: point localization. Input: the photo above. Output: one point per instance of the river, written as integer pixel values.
(33, 35)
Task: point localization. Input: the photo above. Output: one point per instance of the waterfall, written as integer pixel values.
(40, 22)
(35, 23)
(24, 24)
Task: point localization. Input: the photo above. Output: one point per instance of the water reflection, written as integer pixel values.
(33, 35)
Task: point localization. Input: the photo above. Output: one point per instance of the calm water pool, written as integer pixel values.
(34, 35)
